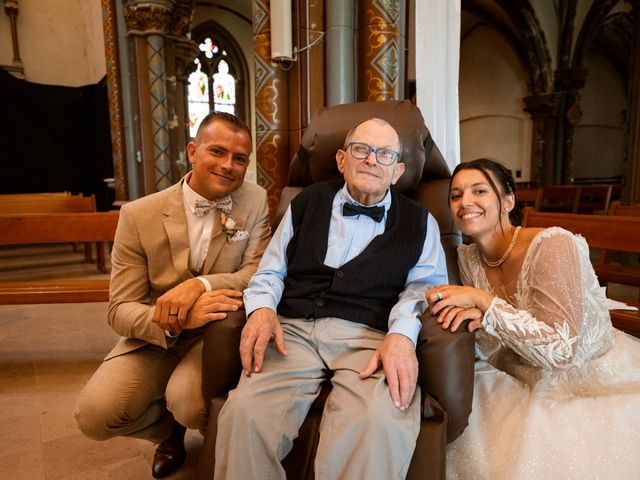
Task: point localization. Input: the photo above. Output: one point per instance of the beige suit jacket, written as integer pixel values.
(151, 255)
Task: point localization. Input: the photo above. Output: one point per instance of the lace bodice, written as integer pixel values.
(558, 317)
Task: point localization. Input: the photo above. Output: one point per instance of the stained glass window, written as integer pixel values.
(212, 86)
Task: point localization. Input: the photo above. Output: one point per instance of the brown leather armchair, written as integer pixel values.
(446, 359)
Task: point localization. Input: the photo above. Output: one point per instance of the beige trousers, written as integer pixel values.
(140, 393)
(362, 434)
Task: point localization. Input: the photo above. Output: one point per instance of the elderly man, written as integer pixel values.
(180, 260)
(339, 290)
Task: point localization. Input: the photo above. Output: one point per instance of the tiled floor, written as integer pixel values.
(47, 353)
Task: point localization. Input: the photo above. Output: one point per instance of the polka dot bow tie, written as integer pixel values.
(223, 203)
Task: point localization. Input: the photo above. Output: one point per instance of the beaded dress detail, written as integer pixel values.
(557, 388)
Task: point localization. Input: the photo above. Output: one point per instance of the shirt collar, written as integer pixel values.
(189, 195)
(346, 197)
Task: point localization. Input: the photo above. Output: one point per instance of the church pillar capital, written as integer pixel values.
(147, 17)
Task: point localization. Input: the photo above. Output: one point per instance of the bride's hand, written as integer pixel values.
(457, 296)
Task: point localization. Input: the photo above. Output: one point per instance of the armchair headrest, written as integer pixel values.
(315, 160)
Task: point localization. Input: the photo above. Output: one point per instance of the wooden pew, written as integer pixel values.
(52, 203)
(617, 208)
(621, 233)
(596, 198)
(47, 203)
(560, 198)
(37, 228)
(529, 197)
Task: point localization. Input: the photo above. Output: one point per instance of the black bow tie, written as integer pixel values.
(375, 213)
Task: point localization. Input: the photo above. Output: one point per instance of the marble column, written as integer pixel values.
(147, 23)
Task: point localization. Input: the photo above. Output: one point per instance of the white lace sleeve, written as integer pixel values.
(544, 331)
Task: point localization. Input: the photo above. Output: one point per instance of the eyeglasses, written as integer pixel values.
(384, 155)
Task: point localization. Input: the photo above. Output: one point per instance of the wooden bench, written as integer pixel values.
(605, 232)
(46, 203)
(529, 197)
(52, 203)
(35, 228)
(617, 208)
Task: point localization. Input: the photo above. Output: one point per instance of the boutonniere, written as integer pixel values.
(234, 229)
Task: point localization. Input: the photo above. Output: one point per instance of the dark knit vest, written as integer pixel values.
(365, 288)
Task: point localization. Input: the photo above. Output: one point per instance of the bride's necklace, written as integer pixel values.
(497, 263)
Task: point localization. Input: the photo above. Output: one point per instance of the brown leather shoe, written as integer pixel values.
(170, 454)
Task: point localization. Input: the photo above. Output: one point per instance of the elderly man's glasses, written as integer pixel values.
(384, 155)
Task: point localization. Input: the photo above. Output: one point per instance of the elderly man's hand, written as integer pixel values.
(398, 358)
(262, 325)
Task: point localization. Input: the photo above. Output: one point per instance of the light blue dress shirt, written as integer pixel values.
(348, 236)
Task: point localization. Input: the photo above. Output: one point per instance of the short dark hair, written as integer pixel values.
(503, 176)
(228, 118)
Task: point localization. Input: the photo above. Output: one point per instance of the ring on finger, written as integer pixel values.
(439, 296)
(174, 314)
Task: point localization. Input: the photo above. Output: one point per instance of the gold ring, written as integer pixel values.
(173, 314)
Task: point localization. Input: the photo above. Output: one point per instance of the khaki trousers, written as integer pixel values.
(362, 434)
(140, 392)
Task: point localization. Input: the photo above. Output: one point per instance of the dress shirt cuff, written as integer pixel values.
(410, 328)
(205, 282)
(259, 301)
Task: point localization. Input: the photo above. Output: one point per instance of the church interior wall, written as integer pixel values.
(547, 17)
(61, 43)
(492, 85)
(599, 138)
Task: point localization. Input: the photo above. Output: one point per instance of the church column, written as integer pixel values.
(272, 123)
(146, 24)
(185, 52)
(180, 52)
(634, 124)
(567, 83)
(114, 97)
(340, 62)
(381, 45)
(544, 114)
(11, 9)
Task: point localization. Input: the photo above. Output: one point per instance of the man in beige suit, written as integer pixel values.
(180, 260)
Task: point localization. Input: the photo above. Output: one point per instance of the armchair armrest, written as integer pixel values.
(446, 370)
(221, 366)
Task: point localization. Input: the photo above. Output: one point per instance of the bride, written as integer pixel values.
(557, 389)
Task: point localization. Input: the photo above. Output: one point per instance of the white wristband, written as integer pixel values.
(205, 282)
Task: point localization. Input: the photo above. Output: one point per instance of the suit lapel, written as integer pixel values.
(175, 226)
(218, 237)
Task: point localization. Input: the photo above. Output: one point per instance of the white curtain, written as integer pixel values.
(437, 58)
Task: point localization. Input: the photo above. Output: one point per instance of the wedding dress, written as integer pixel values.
(557, 388)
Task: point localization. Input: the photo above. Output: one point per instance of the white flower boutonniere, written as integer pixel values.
(233, 228)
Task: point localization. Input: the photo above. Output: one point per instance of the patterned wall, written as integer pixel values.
(379, 51)
(272, 135)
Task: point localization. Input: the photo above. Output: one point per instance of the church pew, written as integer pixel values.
(34, 228)
(55, 202)
(608, 233)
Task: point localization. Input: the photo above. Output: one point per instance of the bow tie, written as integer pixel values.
(202, 207)
(375, 213)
